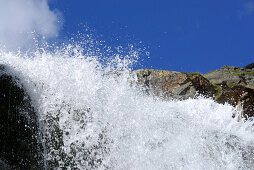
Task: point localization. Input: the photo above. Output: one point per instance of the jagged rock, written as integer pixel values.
(235, 86)
(171, 84)
(232, 76)
(238, 96)
(231, 85)
(19, 143)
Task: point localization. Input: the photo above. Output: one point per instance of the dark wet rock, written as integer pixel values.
(171, 84)
(19, 143)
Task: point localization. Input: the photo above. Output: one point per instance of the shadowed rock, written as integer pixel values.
(240, 96)
(19, 143)
(249, 66)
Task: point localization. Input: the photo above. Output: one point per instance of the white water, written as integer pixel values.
(107, 123)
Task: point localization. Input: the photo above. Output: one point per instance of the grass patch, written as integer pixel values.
(239, 72)
(233, 84)
(195, 73)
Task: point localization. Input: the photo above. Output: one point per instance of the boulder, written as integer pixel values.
(171, 84)
(19, 136)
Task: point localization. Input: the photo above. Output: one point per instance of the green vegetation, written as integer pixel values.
(161, 73)
(210, 72)
(194, 73)
(239, 72)
(249, 72)
(233, 84)
(218, 90)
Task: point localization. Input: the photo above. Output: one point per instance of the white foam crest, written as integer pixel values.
(101, 120)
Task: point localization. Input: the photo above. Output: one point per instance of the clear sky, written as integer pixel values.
(181, 35)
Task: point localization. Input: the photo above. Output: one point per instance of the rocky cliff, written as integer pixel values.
(233, 85)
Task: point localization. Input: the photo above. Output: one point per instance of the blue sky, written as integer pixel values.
(181, 35)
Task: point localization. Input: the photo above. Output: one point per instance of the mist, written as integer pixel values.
(23, 22)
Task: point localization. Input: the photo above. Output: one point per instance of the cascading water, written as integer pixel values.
(93, 116)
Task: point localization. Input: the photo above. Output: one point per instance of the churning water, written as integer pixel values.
(92, 115)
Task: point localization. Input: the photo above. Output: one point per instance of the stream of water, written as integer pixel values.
(92, 115)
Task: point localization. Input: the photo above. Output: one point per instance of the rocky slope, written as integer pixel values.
(233, 85)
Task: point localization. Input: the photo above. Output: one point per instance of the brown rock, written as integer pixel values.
(171, 84)
(178, 85)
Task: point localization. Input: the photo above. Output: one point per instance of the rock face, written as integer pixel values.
(238, 95)
(233, 85)
(171, 84)
(19, 143)
(233, 76)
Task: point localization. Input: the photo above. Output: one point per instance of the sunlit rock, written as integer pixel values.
(177, 85)
(232, 76)
(229, 84)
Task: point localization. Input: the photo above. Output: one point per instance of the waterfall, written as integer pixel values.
(93, 115)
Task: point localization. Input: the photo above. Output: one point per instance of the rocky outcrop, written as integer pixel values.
(232, 76)
(233, 85)
(171, 84)
(19, 143)
(239, 96)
